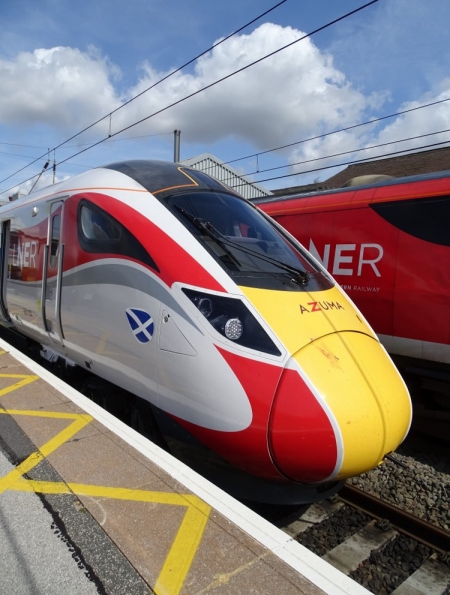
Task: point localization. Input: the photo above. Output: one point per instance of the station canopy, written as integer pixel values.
(213, 166)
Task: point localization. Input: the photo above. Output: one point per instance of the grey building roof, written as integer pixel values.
(420, 162)
(216, 168)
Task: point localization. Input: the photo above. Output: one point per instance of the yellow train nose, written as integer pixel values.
(363, 393)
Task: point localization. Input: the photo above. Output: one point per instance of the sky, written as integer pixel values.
(74, 67)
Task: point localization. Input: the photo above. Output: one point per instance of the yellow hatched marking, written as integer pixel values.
(26, 379)
(184, 547)
(35, 458)
(189, 535)
(51, 414)
(186, 542)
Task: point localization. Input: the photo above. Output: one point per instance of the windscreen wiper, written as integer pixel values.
(299, 276)
(210, 231)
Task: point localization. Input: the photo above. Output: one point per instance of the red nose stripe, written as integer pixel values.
(247, 449)
(302, 440)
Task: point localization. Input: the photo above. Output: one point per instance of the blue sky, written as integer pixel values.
(65, 64)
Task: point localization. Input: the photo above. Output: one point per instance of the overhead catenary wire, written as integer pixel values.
(109, 114)
(346, 129)
(351, 151)
(243, 68)
(332, 166)
(326, 134)
(116, 140)
(342, 164)
(305, 140)
(259, 153)
(202, 89)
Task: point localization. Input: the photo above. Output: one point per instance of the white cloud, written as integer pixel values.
(377, 140)
(288, 96)
(433, 119)
(295, 94)
(36, 183)
(61, 87)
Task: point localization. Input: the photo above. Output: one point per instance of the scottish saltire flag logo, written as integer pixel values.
(141, 324)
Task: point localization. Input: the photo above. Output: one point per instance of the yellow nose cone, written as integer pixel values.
(365, 396)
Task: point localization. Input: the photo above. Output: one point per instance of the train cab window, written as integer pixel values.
(101, 233)
(246, 243)
(54, 246)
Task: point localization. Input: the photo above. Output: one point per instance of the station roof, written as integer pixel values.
(209, 164)
(420, 162)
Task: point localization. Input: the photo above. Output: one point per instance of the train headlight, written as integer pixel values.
(233, 329)
(233, 320)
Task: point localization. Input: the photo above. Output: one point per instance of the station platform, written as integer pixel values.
(88, 505)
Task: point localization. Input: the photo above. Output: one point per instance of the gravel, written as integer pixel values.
(417, 479)
(420, 484)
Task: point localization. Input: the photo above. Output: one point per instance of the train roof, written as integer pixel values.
(391, 182)
(162, 178)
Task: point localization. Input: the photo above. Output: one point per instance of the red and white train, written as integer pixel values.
(161, 280)
(388, 245)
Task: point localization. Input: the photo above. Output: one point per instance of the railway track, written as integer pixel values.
(380, 546)
(399, 519)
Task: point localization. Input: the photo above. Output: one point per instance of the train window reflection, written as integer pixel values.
(100, 233)
(97, 226)
(237, 221)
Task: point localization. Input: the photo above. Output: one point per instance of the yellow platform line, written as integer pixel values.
(26, 379)
(186, 542)
(36, 457)
(51, 414)
(190, 532)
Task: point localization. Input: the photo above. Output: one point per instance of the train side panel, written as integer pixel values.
(421, 311)
(25, 238)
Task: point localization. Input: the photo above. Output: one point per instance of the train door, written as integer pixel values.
(52, 277)
(4, 248)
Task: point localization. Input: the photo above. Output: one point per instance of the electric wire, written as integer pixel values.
(145, 91)
(351, 151)
(353, 126)
(117, 140)
(202, 89)
(20, 145)
(307, 35)
(322, 168)
(401, 112)
(342, 164)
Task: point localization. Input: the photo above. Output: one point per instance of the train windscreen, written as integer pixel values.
(246, 243)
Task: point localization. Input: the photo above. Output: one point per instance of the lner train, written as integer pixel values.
(388, 245)
(165, 282)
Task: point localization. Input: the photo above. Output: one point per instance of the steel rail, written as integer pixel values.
(420, 530)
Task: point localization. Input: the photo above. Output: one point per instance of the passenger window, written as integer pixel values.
(100, 233)
(97, 226)
(56, 226)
